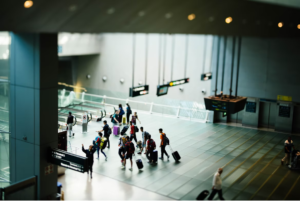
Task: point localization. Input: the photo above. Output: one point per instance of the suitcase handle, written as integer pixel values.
(171, 148)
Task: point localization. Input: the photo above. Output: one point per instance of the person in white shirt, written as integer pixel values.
(288, 145)
(217, 185)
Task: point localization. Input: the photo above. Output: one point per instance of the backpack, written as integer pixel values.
(152, 144)
(97, 141)
(103, 143)
(129, 111)
(147, 135)
(131, 147)
(166, 140)
(136, 129)
(112, 118)
(109, 131)
(122, 112)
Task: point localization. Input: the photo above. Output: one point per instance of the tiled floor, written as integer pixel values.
(250, 158)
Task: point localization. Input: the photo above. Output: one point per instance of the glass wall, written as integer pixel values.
(4, 107)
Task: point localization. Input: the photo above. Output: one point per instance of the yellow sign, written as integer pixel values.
(171, 83)
(284, 98)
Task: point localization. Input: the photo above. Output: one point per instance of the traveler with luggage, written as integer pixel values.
(134, 118)
(103, 143)
(288, 145)
(145, 135)
(70, 121)
(122, 143)
(129, 149)
(114, 118)
(121, 113)
(163, 143)
(217, 185)
(128, 113)
(89, 153)
(132, 132)
(150, 148)
(97, 142)
(107, 132)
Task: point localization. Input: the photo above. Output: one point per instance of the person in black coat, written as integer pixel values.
(89, 153)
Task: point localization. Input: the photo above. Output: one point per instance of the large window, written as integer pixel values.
(4, 107)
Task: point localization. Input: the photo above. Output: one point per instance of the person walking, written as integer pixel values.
(132, 132)
(97, 142)
(288, 145)
(144, 139)
(162, 144)
(70, 121)
(121, 113)
(122, 142)
(129, 149)
(134, 118)
(150, 147)
(89, 153)
(103, 142)
(128, 113)
(106, 132)
(217, 185)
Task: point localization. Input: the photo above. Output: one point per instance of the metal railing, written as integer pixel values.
(193, 114)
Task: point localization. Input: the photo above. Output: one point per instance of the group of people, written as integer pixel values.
(126, 146)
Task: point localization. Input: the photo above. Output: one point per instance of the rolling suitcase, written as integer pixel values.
(202, 195)
(116, 130)
(125, 128)
(175, 154)
(139, 163)
(155, 156)
(124, 120)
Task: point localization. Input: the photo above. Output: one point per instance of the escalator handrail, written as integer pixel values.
(89, 117)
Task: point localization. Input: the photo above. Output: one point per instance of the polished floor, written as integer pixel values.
(250, 158)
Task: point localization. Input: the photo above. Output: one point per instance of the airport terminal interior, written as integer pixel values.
(213, 83)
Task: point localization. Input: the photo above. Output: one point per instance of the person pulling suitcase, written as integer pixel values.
(150, 148)
(129, 151)
(163, 143)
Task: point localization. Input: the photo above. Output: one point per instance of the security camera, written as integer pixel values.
(203, 91)
(181, 88)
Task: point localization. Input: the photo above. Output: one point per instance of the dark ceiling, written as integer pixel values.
(149, 16)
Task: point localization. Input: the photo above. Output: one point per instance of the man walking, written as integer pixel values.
(70, 121)
(150, 147)
(129, 149)
(145, 136)
(106, 132)
(288, 145)
(89, 153)
(163, 144)
(217, 185)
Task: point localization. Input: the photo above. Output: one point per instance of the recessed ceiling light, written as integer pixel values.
(73, 8)
(110, 11)
(211, 19)
(280, 25)
(28, 4)
(168, 15)
(141, 13)
(191, 17)
(228, 20)
(298, 26)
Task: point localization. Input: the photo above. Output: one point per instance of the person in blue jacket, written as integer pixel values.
(121, 113)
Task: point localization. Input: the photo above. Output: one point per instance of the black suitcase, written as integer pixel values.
(125, 128)
(154, 156)
(139, 163)
(202, 195)
(176, 156)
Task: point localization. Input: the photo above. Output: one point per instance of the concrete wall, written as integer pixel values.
(115, 62)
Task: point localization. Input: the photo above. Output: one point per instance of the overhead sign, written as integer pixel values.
(179, 82)
(284, 98)
(206, 76)
(138, 90)
(68, 160)
(162, 90)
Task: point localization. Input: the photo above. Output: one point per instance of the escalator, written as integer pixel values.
(76, 113)
(97, 113)
(62, 122)
(106, 109)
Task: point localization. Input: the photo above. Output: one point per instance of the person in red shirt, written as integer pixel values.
(132, 132)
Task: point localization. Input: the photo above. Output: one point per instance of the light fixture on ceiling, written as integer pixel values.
(28, 4)
(211, 19)
(73, 8)
(88, 76)
(140, 83)
(298, 26)
(191, 17)
(181, 88)
(110, 11)
(141, 13)
(104, 78)
(280, 25)
(228, 20)
(122, 81)
(168, 15)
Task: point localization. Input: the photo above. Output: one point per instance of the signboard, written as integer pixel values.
(251, 107)
(162, 90)
(284, 98)
(284, 110)
(84, 118)
(138, 90)
(219, 106)
(206, 76)
(68, 160)
(179, 82)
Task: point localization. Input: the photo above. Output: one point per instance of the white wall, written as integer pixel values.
(74, 44)
(115, 62)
